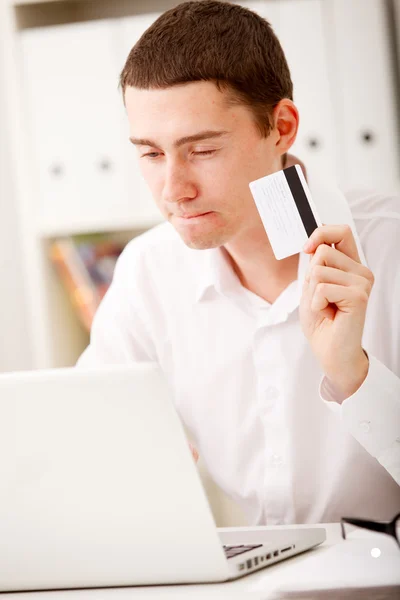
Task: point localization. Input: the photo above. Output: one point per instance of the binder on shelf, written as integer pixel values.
(365, 94)
(299, 28)
(71, 75)
(85, 266)
(130, 30)
(301, 33)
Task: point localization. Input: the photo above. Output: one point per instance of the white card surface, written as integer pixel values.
(287, 210)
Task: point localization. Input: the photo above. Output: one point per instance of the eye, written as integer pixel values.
(151, 155)
(205, 152)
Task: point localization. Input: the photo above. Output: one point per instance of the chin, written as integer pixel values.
(202, 244)
(201, 237)
(204, 241)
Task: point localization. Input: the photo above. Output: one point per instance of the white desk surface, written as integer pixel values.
(334, 564)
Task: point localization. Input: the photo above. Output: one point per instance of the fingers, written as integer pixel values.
(329, 267)
(328, 275)
(346, 298)
(331, 257)
(340, 235)
(322, 274)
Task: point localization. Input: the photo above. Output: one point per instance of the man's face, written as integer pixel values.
(198, 154)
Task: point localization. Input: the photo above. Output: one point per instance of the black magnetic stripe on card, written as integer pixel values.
(300, 198)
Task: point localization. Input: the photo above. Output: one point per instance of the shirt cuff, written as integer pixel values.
(372, 413)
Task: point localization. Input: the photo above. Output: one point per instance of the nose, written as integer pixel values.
(178, 185)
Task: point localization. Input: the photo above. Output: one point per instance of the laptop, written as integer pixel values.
(98, 488)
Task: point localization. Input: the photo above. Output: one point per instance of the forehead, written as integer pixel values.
(180, 110)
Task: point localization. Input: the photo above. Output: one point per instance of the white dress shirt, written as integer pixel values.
(246, 383)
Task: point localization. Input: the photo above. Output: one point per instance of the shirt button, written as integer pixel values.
(277, 460)
(365, 426)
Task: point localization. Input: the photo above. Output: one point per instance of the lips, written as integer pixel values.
(192, 216)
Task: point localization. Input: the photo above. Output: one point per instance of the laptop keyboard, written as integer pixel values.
(232, 551)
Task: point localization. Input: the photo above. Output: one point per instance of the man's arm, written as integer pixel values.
(372, 414)
(119, 332)
(335, 296)
(364, 392)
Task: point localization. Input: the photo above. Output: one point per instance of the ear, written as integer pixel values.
(286, 120)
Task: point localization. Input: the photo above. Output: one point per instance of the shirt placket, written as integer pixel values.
(276, 488)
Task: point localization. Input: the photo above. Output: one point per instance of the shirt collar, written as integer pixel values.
(216, 273)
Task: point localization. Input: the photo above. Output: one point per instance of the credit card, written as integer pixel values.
(287, 210)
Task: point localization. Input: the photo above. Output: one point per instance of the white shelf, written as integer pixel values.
(56, 229)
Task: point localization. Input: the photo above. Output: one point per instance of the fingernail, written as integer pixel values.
(307, 246)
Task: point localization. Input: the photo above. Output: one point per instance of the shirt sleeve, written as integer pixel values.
(120, 333)
(372, 414)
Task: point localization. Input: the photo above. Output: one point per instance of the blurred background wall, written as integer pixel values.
(70, 191)
(15, 343)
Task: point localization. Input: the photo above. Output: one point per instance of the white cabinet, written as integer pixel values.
(299, 26)
(340, 54)
(302, 35)
(129, 31)
(76, 113)
(15, 350)
(363, 89)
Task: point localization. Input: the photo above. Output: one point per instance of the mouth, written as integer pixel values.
(188, 217)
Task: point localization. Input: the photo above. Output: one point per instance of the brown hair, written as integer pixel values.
(210, 40)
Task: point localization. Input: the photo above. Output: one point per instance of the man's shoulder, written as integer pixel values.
(367, 205)
(377, 220)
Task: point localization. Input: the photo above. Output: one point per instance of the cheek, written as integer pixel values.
(222, 171)
(214, 180)
(237, 175)
(153, 176)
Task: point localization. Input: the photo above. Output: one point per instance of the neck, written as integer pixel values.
(257, 268)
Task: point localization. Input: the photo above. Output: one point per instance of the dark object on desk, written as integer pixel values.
(391, 528)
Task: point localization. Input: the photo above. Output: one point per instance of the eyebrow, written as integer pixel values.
(197, 137)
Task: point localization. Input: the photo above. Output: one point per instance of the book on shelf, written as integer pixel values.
(85, 265)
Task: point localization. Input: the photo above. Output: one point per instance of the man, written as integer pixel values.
(245, 340)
